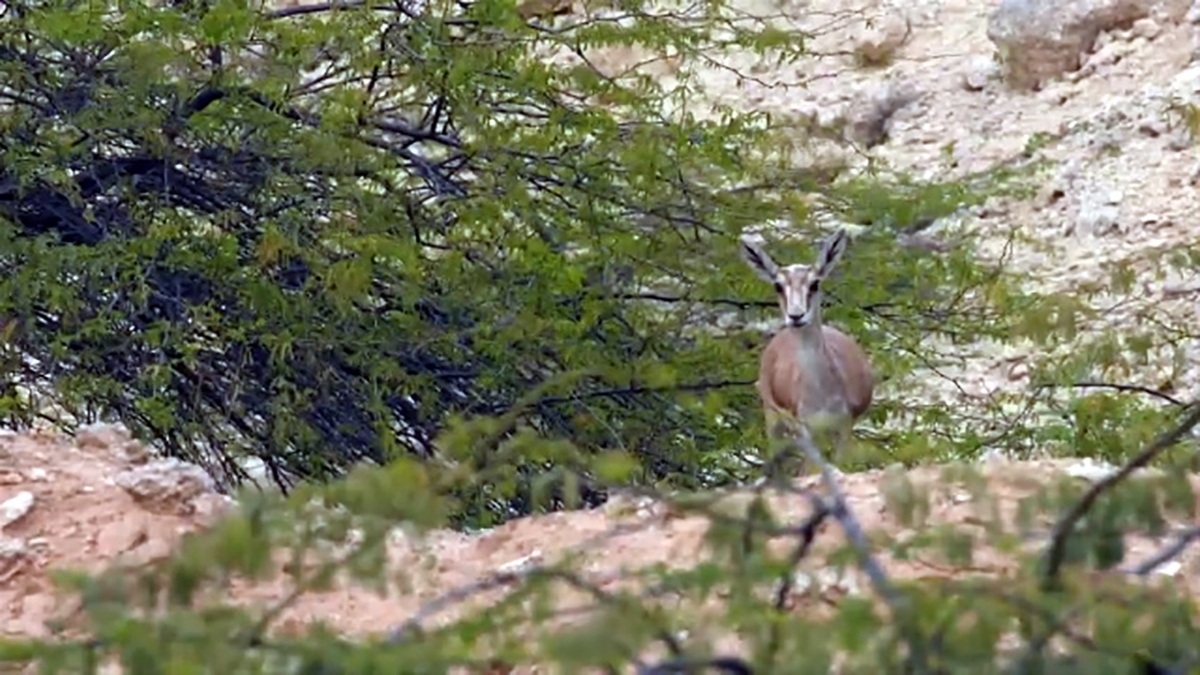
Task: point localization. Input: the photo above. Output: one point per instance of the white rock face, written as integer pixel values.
(1040, 40)
(15, 508)
(878, 42)
(166, 485)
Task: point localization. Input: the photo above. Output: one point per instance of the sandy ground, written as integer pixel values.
(99, 499)
(96, 499)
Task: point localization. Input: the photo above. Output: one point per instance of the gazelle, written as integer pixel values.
(810, 373)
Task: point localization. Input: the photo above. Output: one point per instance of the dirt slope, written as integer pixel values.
(98, 499)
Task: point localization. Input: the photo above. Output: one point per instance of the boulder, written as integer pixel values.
(1040, 40)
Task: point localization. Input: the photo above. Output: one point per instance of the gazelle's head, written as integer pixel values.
(798, 286)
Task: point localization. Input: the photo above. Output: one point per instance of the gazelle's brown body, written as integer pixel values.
(809, 372)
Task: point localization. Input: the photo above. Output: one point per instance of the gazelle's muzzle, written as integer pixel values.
(797, 304)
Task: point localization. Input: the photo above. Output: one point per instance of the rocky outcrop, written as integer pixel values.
(1040, 40)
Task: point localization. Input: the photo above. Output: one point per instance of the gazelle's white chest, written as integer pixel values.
(822, 400)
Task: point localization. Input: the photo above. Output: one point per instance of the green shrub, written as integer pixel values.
(310, 237)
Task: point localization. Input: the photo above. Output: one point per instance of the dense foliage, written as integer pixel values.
(312, 234)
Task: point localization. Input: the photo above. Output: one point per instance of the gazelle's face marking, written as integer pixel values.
(798, 286)
(799, 290)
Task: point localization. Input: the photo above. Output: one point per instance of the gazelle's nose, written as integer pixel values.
(797, 319)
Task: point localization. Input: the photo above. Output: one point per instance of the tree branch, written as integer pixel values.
(1174, 550)
(662, 297)
(807, 535)
(1131, 388)
(642, 389)
(680, 666)
(321, 7)
(1056, 552)
(840, 510)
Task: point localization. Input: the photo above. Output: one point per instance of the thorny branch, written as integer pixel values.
(645, 389)
(320, 7)
(1168, 553)
(439, 604)
(1056, 552)
(807, 535)
(1115, 386)
(840, 510)
(684, 666)
(413, 627)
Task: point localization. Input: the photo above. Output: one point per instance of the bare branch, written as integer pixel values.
(644, 389)
(1170, 552)
(454, 596)
(840, 510)
(412, 627)
(321, 7)
(662, 297)
(1131, 388)
(681, 666)
(1063, 530)
(807, 535)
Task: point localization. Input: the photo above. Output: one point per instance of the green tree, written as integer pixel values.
(311, 234)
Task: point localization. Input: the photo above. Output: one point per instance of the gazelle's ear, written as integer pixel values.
(831, 251)
(758, 260)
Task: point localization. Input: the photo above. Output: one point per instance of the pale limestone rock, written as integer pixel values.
(1041, 40)
(877, 42)
(981, 70)
(15, 508)
(166, 485)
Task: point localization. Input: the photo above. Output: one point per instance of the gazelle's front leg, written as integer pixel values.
(841, 441)
(782, 457)
(830, 434)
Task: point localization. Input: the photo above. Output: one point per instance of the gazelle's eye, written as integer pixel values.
(778, 287)
(814, 287)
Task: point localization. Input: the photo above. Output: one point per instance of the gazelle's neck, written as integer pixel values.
(810, 342)
(813, 355)
(821, 384)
